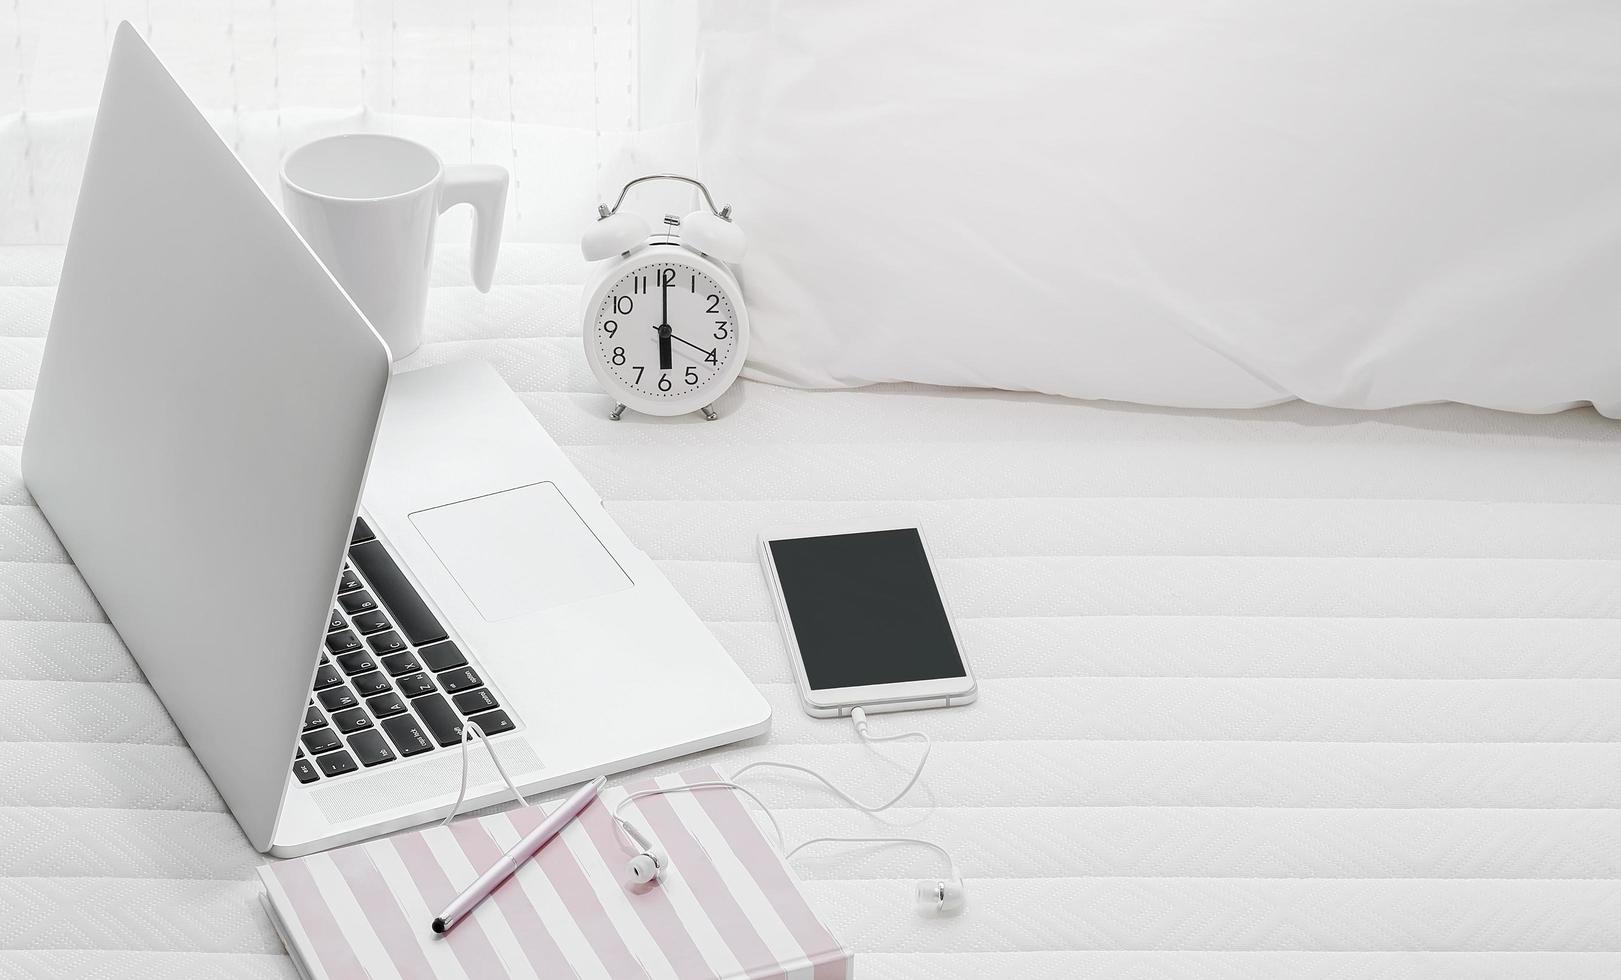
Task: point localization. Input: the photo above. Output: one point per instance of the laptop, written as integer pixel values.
(326, 572)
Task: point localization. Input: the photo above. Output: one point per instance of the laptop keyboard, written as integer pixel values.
(391, 684)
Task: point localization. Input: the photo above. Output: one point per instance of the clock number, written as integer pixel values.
(720, 332)
(638, 284)
(710, 357)
(610, 327)
(638, 369)
(664, 382)
(714, 304)
(692, 375)
(666, 277)
(619, 356)
(622, 304)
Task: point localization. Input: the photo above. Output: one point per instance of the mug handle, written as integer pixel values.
(484, 186)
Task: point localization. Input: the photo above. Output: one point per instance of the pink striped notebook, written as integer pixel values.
(729, 906)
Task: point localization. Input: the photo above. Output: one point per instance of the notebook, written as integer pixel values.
(729, 907)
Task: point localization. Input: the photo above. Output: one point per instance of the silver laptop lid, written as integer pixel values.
(205, 410)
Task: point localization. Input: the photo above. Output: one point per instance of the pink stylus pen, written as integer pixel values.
(512, 860)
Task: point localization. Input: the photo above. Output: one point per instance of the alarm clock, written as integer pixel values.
(664, 324)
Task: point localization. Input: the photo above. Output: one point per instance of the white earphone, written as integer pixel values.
(946, 897)
(650, 862)
(935, 896)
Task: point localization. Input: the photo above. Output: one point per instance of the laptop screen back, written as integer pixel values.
(205, 408)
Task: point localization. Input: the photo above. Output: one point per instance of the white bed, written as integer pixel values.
(1295, 691)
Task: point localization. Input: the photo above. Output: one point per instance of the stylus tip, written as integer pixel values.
(439, 925)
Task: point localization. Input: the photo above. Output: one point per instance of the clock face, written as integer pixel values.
(668, 332)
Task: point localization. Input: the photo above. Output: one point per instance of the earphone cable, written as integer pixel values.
(931, 845)
(860, 718)
(627, 832)
(469, 732)
(624, 827)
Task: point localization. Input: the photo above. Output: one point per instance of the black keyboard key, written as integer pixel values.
(402, 663)
(327, 675)
(367, 685)
(371, 622)
(336, 622)
(343, 641)
(337, 699)
(304, 770)
(408, 736)
(441, 720)
(493, 722)
(324, 740)
(312, 718)
(442, 656)
(385, 643)
(472, 702)
(335, 763)
(411, 614)
(356, 663)
(416, 685)
(460, 679)
(362, 532)
(348, 581)
(370, 748)
(357, 602)
(352, 720)
(385, 705)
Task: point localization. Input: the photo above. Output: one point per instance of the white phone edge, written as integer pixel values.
(944, 692)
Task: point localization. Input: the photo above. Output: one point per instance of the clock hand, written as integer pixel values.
(665, 363)
(693, 345)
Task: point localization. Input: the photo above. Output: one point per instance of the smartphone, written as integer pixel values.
(864, 620)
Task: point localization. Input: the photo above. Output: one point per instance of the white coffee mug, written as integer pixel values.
(367, 204)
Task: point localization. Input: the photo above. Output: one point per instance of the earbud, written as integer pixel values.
(942, 897)
(613, 234)
(713, 235)
(648, 866)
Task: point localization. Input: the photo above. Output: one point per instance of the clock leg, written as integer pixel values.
(709, 413)
(618, 411)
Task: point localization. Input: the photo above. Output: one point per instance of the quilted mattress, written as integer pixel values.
(1293, 692)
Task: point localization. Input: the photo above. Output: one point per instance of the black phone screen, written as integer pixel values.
(865, 609)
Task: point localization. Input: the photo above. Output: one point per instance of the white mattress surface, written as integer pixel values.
(1294, 692)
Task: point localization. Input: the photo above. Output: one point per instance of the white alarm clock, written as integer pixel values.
(664, 324)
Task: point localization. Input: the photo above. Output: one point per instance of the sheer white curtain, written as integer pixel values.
(573, 96)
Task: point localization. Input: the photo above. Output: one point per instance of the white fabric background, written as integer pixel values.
(1177, 202)
(573, 96)
(1285, 693)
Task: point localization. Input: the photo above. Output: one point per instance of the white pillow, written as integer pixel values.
(1364, 203)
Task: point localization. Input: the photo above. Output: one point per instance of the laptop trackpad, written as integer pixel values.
(520, 551)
